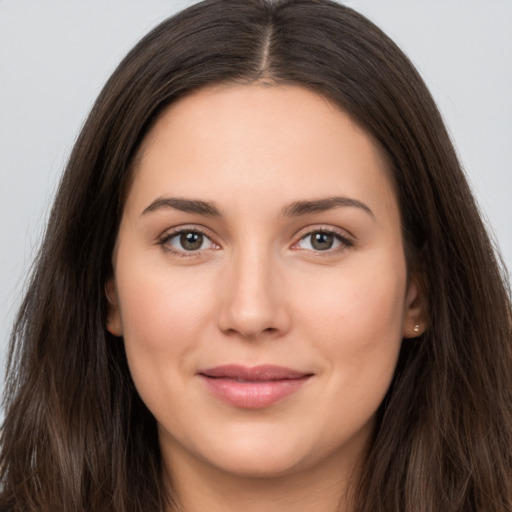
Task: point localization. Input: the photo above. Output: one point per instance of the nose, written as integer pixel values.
(254, 302)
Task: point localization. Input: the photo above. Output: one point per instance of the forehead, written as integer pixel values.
(247, 142)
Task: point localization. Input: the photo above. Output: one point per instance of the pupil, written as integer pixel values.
(322, 241)
(191, 241)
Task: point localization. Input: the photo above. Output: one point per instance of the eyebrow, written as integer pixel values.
(298, 208)
(295, 209)
(185, 205)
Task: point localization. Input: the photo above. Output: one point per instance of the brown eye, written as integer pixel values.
(322, 241)
(187, 241)
(191, 240)
(318, 241)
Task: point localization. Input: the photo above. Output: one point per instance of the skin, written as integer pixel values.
(259, 292)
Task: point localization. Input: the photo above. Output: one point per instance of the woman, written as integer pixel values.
(264, 285)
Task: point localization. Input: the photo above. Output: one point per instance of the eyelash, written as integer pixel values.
(344, 242)
(164, 242)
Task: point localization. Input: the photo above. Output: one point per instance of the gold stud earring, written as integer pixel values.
(416, 328)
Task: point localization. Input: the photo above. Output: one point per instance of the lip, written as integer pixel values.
(253, 387)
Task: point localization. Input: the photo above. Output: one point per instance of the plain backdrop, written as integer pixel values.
(56, 55)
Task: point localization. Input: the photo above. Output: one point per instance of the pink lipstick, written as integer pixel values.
(253, 387)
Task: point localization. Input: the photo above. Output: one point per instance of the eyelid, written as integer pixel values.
(345, 238)
(178, 230)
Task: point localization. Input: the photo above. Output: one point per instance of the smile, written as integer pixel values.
(253, 387)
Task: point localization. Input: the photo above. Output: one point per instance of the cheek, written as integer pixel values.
(157, 303)
(357, 323)
(369, 302)
(163, 316)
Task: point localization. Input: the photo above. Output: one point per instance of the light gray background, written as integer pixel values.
(55, 55)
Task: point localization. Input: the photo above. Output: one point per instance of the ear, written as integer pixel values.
(114, 325)
(415, 312)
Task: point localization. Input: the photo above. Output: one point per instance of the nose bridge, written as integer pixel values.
(253, 297)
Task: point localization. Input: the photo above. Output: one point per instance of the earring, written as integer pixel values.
(416, 328)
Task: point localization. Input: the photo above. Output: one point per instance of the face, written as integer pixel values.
(259, 281)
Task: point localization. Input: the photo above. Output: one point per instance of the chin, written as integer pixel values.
(259, 466)
(263, 458)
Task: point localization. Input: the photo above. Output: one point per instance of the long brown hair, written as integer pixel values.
(76, 435)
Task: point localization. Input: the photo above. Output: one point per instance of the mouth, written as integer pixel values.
(253, 387)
